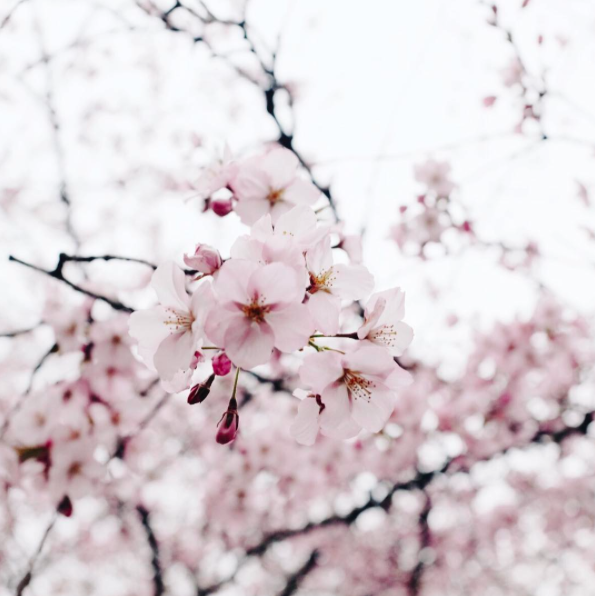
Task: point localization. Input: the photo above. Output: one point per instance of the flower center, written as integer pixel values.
(179, 321)
(358, 386)
(256, 311)
(275, 195)
(385, 334)
(322, 282)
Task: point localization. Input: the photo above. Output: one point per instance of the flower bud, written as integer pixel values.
(229, 424)
(65, 506)
(221, 365)
(205, 259)
(221, 207)
(200, 392)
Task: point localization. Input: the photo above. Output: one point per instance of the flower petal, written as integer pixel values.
(321, 369)
(373, 413)
(325, 310)
(248, 344)
(292, 327)
(304, 427)
(351, 282)
(169, 283)
(275, 284)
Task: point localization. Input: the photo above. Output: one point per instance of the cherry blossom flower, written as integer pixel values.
(205, 259)
(258, 308)
(170, 334)
(349, 392)
(270, 184)
(434, 174)
(383, 323)
(330, 283)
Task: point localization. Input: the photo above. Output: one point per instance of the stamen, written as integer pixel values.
(179, 321)
(358, 386)
(275, 195)
(257, 309)
(385, 334)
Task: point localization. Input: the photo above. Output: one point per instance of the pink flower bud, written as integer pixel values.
(205, 259)
(200, 392)
(65, 506)
(229, 424)
(221, 365)
(489, 101)
(222, 207)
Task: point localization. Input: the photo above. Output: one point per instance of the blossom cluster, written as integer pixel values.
(282, 289)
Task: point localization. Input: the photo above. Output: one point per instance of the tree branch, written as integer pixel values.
(159, 586)
(58, 274)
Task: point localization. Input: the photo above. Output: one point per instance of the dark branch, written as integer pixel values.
(294, 581)
(58, 274)
(158, 584)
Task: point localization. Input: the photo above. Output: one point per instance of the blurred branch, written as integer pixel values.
(26, 580)
(7, 18)
(159, 586)
(294, 581)
(21, 331)
(286, 138)
(58, 274)
(414, 582)
(19, 403)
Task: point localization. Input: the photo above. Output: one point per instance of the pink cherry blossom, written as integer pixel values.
(435, 176)
(258, 308)
(330, 283)
(383, 323)
(270, 184)
(205, 259)
(169, 335)
(356, 390)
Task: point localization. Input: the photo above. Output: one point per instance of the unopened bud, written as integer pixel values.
(205, 259)
(65, 506)
(221, 365)
(229, 424)
(200, 392)
(221, 207)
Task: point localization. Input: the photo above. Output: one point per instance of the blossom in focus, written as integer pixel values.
(435, 176)
(356, 390)
(270, 183)
(330, 283)
(205, 259)
(258, 308)
(170, 334)
(383, 324)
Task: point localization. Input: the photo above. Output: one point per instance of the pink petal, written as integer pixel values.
(325, 310)
(232, 281)
(251, 210)
(304, 427)
(219, 321)
(174, 354)
(320, 258)
(149, 329)
(301, 192)
(320, 370)
(372, 313)
(292, 327)
(251, 183)
(370, 360)
(248, 344)
(372, 414)
(169, 283)
(281, 167)
(275, 284)
(351, 282)
(335, 419)
(399, 378)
